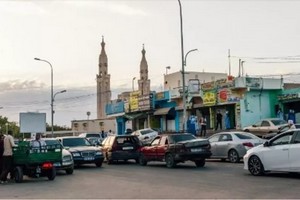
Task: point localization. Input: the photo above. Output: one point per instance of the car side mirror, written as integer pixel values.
(266, 144)
(67, 148)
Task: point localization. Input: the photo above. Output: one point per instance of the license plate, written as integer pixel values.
(88, 158)
(196, 150)
(127, 148)
(56, 164)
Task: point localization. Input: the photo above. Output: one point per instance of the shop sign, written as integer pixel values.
(194, 86)
(288, 96)
(209, 98)
(253, 83)
(224, 83)
(160, 96)
(208, 86)
(145, 102)
(134, 101)
(227, 96)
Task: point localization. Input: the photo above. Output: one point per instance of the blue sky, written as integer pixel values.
(68, 34)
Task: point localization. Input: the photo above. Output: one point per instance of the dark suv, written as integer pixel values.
(175, 148)
(121, 147)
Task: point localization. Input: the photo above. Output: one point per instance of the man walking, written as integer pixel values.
(7, 159)
(203, 126)
(219, 120)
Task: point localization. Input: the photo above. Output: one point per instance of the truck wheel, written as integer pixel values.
(51, 174)
(18, 173)
(170, 161)
(200, 163)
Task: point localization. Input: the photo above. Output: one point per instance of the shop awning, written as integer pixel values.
(165, 111)
(132, 116)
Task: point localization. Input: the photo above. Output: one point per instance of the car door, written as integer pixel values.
(276, 155)
(150, 151)
(265, 127)
(214, 143)
(223, 145)
(294, 155)
(162, 147)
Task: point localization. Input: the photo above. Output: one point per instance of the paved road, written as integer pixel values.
(155, 181)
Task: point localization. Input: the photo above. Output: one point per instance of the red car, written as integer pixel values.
(175, 148)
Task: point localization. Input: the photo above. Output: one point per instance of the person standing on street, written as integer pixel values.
(7, 159)
(219, 120)
(227, 121)
(203, 126)
(1, 150)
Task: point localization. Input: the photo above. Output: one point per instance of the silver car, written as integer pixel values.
(232, 145)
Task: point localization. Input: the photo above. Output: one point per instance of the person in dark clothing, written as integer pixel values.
(1, 150)
(219, 120)
(203, 126)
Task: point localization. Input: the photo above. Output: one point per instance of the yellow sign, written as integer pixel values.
(209, 98)
(134, 101)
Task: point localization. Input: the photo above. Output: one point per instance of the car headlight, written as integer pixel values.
(76, 154)
(98, 153)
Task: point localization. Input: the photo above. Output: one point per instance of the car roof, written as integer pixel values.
(64, 137)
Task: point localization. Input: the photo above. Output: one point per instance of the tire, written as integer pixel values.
(255, 166)
(170, 162)
(18, 173)
(142, 160)
(200, 163)
(233, 156)
(70, 170)
(246, 130)
(98, 164)
(51, 174)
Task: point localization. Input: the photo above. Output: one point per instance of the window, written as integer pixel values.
(178, 83)
(297, 137)
(164, 141)
(245, 136)
(225, 137)
(265, 123)
(285, 139)
(155, 142)
(214, 138)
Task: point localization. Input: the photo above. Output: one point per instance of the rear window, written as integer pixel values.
(278, 122)
(92, 135)
(244, 136)
(129, 140)
(183, 137)
(143, 132)
(74, 142)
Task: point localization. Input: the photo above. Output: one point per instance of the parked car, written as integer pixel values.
(94, 141)
(175, 148)
(232, 145)
(280, 130)
(121, 147)
(67, 162)
(82, 150)
(145, 135)
(91, 135)
(280, 153)
(265, 126)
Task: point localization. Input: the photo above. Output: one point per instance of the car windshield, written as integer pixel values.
(74, 142)
(143, 132)
(245, 136)
(183, 137)
(52, 142)
(277, 122)
(93, 135)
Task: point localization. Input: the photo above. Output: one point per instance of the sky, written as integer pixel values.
(264, 34)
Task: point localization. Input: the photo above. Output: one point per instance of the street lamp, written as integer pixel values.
(168, 67)
(133, 83)
(52, 99)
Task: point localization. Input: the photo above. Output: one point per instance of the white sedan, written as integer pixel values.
(280, 153)
(145, 135)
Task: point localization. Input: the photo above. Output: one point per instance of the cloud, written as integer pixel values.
(126, 10)
(21, 7)
(20, 84)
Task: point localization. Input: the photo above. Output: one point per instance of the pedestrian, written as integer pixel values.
(291, 124)
(280, 114)
(227, 120)
(38, 143)
(219, 120)
(7, 159)
(203, 126)
(1, 150)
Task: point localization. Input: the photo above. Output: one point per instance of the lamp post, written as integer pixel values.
(53, 105)
(168, 67)
(52, 99)
(133, 83)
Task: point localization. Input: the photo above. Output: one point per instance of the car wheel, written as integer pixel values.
(70, 170)
(233, 156)
(246, 130)
(142, 160)
(200, 163)
(170, 161)
(51, 174)
(98, 164)
(255, 166)
(18, 173)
